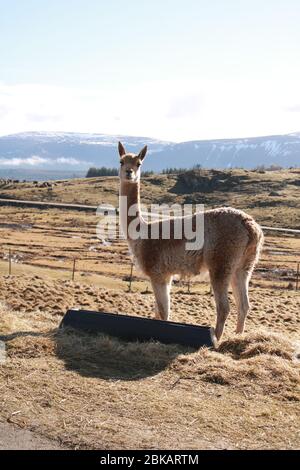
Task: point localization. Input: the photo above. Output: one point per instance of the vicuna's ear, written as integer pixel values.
(122, 150)
(142, 153)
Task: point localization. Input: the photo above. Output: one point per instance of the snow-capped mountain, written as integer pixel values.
(75, 151)
(283, 150)
(65, 151)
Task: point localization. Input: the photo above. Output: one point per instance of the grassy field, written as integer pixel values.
(273, 197)
(45, 243)
(97, 392)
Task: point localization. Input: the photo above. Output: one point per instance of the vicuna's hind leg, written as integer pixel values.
(220, 290)
(161, 289)
(240, 284)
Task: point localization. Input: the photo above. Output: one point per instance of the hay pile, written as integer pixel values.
(255, 363)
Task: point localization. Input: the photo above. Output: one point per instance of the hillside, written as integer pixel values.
(75, 152)
(272, 197)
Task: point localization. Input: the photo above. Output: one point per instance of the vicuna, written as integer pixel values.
(232, 243)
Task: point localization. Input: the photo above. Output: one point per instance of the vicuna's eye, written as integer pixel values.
(121, 163)
(138, 165)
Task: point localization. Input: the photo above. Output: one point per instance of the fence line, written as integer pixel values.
(9, 262)
(74, 268)
(131, 278)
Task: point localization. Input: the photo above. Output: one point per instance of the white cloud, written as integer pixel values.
(36, 161)
(30, 161)
(172, 110)
(70, 161)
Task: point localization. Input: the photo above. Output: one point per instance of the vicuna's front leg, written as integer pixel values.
(161, 289)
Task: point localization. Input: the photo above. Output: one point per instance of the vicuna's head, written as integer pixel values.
(130, 164)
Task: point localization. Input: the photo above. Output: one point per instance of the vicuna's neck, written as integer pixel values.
(129, 199)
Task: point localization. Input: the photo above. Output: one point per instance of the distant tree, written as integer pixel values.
(178, 171)
(94, 172)
(198, 166)
(174, 171)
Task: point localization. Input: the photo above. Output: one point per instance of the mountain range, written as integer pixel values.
(73, 152)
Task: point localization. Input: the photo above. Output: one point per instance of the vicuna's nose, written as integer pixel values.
(129, 172)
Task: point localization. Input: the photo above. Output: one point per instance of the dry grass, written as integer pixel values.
(271, 308)
(97, 392)
(251, 192)
(258, 363)
(45, 243)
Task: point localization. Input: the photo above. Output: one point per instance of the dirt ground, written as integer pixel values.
(14, 438)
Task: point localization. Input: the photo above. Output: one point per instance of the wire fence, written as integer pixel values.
(285, 273)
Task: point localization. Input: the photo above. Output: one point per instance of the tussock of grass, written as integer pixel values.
(257, 362)
(258, 343)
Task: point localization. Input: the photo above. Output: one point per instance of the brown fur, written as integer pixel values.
(232, 243)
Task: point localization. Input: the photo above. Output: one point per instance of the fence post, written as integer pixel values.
(74, 268)
(9, 262)
(297, 276)
(130, 279)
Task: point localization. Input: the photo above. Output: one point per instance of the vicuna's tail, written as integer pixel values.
(255, 244)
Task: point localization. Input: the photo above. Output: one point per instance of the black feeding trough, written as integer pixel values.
(131, 328)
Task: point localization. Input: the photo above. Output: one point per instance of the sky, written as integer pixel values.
(170, 69)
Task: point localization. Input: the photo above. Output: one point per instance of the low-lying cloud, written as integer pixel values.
(38, 162)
